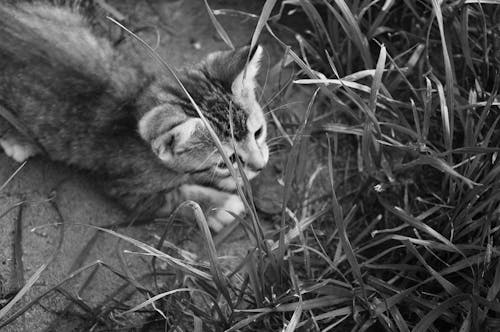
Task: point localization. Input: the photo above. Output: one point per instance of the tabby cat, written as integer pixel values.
(86, 104)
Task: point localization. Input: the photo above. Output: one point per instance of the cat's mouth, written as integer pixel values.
(230, 183)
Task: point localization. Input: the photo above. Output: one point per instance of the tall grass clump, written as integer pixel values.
(410, 87)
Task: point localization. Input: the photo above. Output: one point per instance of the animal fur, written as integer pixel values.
(95, 108)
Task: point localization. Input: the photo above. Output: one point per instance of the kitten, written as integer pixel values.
(89, 106)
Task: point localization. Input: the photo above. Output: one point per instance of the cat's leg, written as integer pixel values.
(222, 201)
(17, 147)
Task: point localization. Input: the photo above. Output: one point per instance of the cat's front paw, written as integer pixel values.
(17, 149)
(226, 205)
(224, 215)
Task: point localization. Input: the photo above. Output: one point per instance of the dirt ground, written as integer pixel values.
(47, 208)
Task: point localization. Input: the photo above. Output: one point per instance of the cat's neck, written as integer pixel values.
(153, 94)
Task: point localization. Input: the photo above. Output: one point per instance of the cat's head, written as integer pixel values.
(223, 86)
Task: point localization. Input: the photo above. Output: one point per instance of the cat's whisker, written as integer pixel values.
(278, 141)
(202, 164)
(273, 146)
(278, 93)
(275, 140)
(212, 175)
(277, 147)
(281, 107)
(271, 153)
(268, 69)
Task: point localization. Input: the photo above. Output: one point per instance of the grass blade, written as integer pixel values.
(352, 30)
(447, 286)
(13, 175)
(31, 281)
(414, 222)
(377, 78)
(218, 276)
(441, 165)
(220, 30)
(450, 81)
(427, 321)
(264, 16)
(339, 221)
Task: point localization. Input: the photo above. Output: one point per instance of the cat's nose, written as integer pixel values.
(256, 164)
(257, 170)
(253, 161)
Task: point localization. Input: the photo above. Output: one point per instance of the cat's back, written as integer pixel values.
(54, 69)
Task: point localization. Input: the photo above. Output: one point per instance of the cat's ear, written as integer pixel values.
(237, 69)
(172, 142)
(164, 146)
(167, 130)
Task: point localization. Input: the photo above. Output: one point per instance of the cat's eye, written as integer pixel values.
(232, 159)
(259, 132)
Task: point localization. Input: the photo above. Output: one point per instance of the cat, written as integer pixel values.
(84, 103)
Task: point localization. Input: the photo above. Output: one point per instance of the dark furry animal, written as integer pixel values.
(92, 107)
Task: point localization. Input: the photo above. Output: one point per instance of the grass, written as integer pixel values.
(390, 202)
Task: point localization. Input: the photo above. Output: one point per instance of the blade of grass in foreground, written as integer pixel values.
(31, 281)
(320, 302)
(161, 296)
(2, 187)
(450, 99)
(426, 322)
(257, 230)
(463, 28)
(445, 116)
(19, 126)
(416, 120)
(337, 103)
(219, 278)
(245, 322)
(179, 264)
(111, 10)
(356, 98)
(339, 220)
(18, 248)
(377, 82)
(220, 30)
(427, 108)
(441, 165)
(487, 108)
(447, 285)
(414, 222)
(352, 30)
(290, 168)
(297, 313)
(491, 2)
(264, 16)
(34, 301)
(316, 21)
